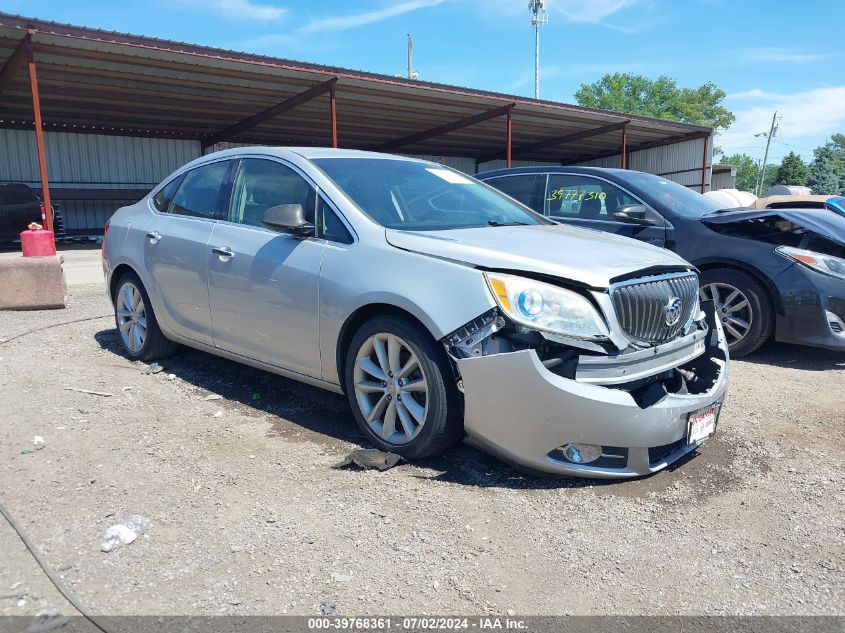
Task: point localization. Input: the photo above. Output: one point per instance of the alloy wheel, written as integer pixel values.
(131, 317)
(732, 308)
(391, 388)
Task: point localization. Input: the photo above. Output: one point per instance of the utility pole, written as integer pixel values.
(538, 18)
(410, 56)
(762, 176)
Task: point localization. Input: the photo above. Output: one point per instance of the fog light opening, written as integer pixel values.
(581, 453)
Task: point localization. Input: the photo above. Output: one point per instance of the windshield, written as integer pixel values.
(672, 196)
(416, 196)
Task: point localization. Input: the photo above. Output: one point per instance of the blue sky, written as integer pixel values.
(765, 57)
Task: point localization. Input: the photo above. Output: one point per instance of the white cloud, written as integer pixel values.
(238, 9)
(781, 55)
(354, 20)
(808, 114)
(593, 11)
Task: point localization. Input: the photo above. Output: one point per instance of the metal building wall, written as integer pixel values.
(680, 162)
(501, 164)
(92, 161)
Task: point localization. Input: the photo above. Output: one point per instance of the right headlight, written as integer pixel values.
(541, 306)
(827, 264)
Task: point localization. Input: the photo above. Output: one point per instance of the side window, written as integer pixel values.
(517, 187)
(329, 225)
(576, 196)
(161, 200)
(201, 193)
(261, 184)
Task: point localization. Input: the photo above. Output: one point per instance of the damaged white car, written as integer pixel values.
(442, 308)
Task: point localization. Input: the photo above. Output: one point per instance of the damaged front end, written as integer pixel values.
(531, 395)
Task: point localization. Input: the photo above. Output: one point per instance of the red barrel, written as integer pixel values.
(38, 243)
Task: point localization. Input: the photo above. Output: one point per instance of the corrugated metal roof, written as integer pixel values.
(115, 83)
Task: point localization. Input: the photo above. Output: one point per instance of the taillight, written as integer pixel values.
(105, 232)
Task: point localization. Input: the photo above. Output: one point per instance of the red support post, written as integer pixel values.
(704, 166)
(333, 111)
(510, 138)
(624, 161)
(39, 137)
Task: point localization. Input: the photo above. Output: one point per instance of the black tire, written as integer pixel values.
(762, 310)
(443, 425)
(155, 345)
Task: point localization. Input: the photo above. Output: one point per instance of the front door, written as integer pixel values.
(585, 201)
(262, 283)
(176, 246)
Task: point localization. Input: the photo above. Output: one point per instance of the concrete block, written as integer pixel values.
(32, 283)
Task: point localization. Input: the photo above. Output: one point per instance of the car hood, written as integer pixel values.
(592, 258)
(824, 222)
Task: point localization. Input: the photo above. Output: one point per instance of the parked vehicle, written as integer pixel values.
(773, 273)
(834, 203)
(438, 305)
(19, 206)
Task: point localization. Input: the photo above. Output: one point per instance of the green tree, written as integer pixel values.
(792, 170)
(660, 98)
(825, 172)
(746, 170)
(769, 178)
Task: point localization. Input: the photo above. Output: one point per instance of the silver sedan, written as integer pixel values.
(441, 307)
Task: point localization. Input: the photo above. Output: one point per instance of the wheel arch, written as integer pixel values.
(118, 272)
(771, 290)
(360, 316)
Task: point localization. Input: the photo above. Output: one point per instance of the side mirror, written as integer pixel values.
(638, 214)
(288, 218)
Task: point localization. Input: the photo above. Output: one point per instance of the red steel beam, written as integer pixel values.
(39, 135)
(624, 160)
(558, 140)
(510, 139)
(21, 52)
(269, 113)
(333, 114)
(445, 129)
(704, 166)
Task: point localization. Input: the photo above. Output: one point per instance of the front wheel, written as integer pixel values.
(401, 389)
(136, 322)
(742, 305)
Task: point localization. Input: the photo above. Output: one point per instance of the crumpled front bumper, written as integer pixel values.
(520, 411)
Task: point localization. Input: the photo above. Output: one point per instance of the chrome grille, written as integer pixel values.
(643, 306)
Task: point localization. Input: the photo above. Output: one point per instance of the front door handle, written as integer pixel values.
(224, 252)
(154, 236)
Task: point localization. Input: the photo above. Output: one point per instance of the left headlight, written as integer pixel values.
(827, 264)
(540, 306)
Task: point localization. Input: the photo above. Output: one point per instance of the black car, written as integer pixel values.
(773, 273)
(19, 206)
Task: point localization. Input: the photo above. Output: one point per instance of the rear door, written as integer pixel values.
(590, 202)
(263, 283)
(176, 247)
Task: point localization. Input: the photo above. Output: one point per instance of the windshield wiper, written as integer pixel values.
(497, 223)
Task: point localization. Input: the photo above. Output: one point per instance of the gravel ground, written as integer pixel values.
(249, 517)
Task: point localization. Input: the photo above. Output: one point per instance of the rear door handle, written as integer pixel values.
(154, 236)
(223, 251)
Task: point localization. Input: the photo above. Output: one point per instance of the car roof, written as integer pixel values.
(309, 153)
(552, 169)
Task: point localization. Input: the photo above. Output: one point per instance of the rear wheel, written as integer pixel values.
(742, 305)
(401, 390)
(140, 335)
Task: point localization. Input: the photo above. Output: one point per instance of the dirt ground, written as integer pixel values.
(249, 517)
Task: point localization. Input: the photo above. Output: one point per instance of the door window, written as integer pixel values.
(261, 184)
(329, 224)
(162, 199)
(583, 197)
(202, 192)
(519, 188)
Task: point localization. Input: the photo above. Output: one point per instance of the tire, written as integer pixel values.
(153, 344)
(442, 422)
(758, 312)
